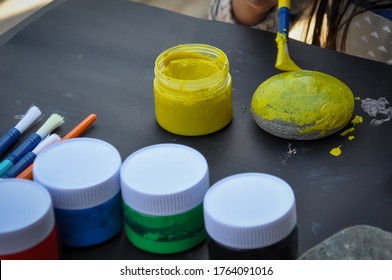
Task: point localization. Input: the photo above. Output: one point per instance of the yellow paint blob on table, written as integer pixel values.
(351, 138)
(310, 103)
(357, 119)
(347, 131)
(192, 90)
(336, 151)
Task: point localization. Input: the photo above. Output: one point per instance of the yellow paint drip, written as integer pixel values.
(192, 90)
(357, 119)
(336, 151)
(312, 102)
(347, 131)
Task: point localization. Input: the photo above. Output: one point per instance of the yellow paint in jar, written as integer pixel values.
(192, 90)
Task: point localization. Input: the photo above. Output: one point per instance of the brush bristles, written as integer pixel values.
(51, 139)
(31, 116)
(54, 121)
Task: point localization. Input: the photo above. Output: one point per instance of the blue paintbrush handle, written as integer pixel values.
(5, 165)
(27, 146)
(283, 20)
(21, 165)
(8, 139)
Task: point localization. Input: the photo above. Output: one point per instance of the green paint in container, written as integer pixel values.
(163, 187)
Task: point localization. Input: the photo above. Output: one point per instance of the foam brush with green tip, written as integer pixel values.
(30, 143)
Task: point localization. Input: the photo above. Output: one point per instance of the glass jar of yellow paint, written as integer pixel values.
(192, 89)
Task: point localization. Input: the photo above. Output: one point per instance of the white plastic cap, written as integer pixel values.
(164, 179)
(79, 173)
(249, 211)
(26, 215)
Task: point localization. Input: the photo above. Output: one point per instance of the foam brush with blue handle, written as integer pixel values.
(283, 59)
(29, 158)
(30, 143)
(29, 119)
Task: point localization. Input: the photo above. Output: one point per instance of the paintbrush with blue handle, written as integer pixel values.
(32, 115)
(29, 158)
(30, 143)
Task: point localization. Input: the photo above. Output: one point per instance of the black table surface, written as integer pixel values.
(82, 57)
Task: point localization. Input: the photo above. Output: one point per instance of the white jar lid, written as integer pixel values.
(79, 173)
(164, 179)
(249, 211)
(26, 215)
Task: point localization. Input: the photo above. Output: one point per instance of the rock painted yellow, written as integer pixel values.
(302, 105)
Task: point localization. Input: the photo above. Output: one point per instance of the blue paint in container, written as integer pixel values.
(83, 177)
(92, 225)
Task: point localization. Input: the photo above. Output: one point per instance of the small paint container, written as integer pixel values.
(192, 89)
(163, 188)
(251, 216)
(83, 177)
(27, 222)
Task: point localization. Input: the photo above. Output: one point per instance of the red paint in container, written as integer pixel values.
(27, 223)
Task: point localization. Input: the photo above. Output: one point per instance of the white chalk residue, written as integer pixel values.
(289, 154)
(315, 227)
(379, 109)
